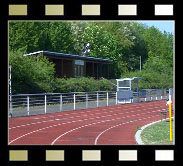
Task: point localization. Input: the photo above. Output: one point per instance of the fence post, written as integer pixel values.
(86, 100)
(116, 98)
(107, 98)
(28, 105)
(74, 101)
(60, 103)
(45, 103)
(11, 112)
(97, 99)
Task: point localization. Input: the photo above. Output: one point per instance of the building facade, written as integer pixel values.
(69, 65)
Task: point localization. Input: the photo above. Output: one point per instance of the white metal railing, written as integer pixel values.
(31, 104)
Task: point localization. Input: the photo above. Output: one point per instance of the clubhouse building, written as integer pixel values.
(69, 65)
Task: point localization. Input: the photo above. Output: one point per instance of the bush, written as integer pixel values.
(83, 85)
(106, 85)
(31, 74)
(151, 79)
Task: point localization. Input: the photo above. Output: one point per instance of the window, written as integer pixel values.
(78, 68)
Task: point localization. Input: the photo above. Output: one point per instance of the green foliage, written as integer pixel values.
(60, 37)
(83, 85)
(34, 36)
(123, 42)
(137, 128)
(151, 79)
(157, 134)
(31, 74)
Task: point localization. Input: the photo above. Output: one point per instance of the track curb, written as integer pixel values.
(138, 133)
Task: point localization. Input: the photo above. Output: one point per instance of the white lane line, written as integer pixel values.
(34, 123)
(50, 127)
(53, 142)
(124, 107)
(81, 112)
(96, 140)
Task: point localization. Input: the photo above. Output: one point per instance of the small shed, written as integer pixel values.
(125, 89)
(69, 65)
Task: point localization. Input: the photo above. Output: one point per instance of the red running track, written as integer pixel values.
(112, 125)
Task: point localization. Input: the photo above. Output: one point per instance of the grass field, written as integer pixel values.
(157, 134)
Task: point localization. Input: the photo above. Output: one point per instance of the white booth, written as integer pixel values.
(125, 89)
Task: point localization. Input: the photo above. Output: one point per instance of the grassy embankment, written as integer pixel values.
(157, 134)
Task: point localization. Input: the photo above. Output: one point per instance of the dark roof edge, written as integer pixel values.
(69, 55)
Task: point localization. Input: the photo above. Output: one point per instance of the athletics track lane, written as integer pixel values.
(103, 125)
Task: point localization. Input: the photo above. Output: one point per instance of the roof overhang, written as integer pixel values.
(71, 56)
(129, 79)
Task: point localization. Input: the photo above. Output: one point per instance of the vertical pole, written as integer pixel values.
(74, 101)
(45, 103)
(11, 112)
(130, 84)
(86, 100)
(10, 90)
(170, 119)
(138, 99)
(28, 105)
(97, 99)
(116, 98)
(140, 63)
(117, 85)
(60, 103)
(107, 98)
(170, 115)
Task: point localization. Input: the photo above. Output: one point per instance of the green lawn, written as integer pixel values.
(157, 134)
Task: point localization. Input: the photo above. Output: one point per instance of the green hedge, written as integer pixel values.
(82, 85)
(152, 79)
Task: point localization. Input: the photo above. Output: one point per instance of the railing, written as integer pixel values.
(33, 104)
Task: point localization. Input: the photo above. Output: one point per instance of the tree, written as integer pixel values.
(60, 37)
(27, 36)
(31, 74)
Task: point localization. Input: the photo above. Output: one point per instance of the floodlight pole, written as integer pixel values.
(10, 79)
(10, 93)
(140, 64)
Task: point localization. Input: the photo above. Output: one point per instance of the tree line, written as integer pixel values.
(123, 42)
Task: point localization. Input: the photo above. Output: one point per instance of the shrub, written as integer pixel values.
(31, 74)
(83, 85)
(152, 79)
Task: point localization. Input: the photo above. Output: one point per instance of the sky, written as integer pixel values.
(167, 26)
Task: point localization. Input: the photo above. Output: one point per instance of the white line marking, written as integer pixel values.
(34, 123)
(96, 140)
(58, 125)
(51, 127)
(53, 142)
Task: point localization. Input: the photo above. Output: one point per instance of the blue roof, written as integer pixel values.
(69, 56)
